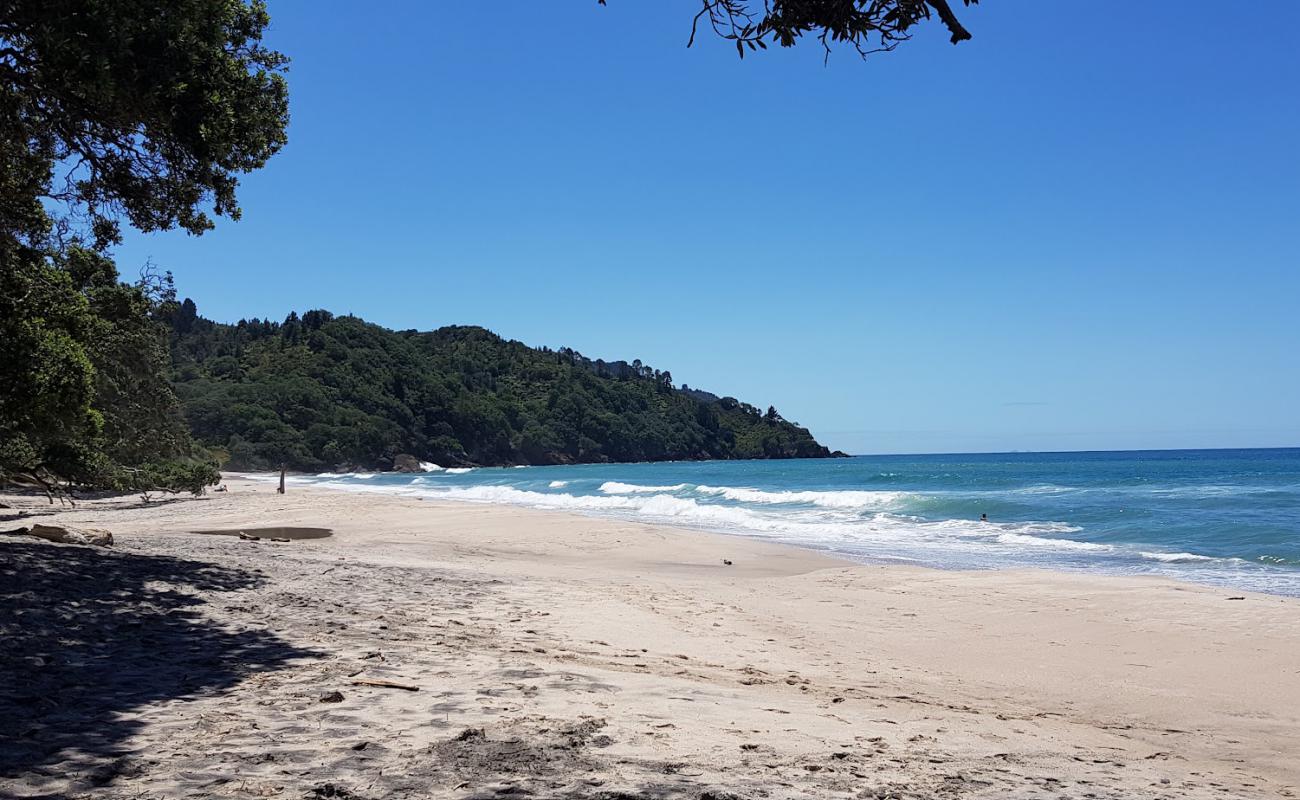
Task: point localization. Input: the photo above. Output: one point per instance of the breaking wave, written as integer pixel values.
(614, 487)
(1028, 540)
(1176, 558)
(838, 499)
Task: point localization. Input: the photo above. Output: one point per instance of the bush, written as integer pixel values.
(171, 477)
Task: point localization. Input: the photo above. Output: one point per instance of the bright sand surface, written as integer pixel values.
(565, 656)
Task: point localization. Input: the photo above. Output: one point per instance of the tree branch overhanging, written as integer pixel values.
(869, 26)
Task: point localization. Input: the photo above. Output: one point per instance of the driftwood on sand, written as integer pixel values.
(65, 534)
(385, 684)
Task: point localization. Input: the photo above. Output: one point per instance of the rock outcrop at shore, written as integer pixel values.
(405, 462)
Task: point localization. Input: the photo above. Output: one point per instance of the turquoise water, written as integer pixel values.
(1225, 517)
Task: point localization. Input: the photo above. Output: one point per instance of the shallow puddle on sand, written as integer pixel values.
(273, 533)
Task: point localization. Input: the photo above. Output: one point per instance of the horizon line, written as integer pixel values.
(1067, 452)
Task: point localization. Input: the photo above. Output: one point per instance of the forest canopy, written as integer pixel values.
(319, 392)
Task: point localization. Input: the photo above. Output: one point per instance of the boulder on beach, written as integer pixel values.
(67, 534)
(405, 462)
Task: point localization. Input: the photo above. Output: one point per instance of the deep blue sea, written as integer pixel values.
(1224, 517)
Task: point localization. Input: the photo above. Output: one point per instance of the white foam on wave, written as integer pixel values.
(429, 466)
(459, 470)
(1044, 488)
(275, 476)
(378, 488)
(1176, 558)
(691, 512)
(1194, 492)
(614, 487)
(1029, 540)
(661, 507)
(513, 496)
(364, 476)
(850, 499)
(882, 534)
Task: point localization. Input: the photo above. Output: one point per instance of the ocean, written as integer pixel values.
(1223, 517)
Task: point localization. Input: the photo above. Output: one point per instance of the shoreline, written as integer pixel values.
(1218, 583)
(788, 671)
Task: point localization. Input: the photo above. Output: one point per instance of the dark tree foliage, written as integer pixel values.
(867, 25)
(323, 392)
(147, 110)
(84, 397)
(47, 382)
(128, 348)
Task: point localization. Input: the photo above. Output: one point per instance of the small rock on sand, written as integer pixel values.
(331, 697)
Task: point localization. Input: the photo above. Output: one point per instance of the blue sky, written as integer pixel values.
(1079, 230)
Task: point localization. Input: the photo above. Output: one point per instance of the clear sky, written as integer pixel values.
(1079, 230)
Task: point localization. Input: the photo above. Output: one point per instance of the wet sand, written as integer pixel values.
(554, 655)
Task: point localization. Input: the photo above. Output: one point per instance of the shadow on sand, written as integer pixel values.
(89, 635)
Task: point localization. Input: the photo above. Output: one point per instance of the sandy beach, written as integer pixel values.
(542, 654)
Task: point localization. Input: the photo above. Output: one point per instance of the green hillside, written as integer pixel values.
(322, 392)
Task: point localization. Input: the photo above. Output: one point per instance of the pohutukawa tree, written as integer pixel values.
(146, 111)
(868, 26)
(143, 110)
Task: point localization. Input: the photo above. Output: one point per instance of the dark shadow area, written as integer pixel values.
(87, 637)
(279, 532)
(21, 504)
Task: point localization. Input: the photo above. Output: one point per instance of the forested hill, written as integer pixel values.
(322, 392)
